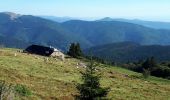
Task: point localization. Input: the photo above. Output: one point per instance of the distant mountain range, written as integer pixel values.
(35, 30)
(31, 29)
(57, 19)
(151, 24)
(104, 32)
(128, 52)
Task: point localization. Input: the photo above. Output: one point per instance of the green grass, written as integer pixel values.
(22, 90)
(56, 79)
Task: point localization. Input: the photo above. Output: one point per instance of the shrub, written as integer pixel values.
(146, 73)
(161, 71)
(22, 90)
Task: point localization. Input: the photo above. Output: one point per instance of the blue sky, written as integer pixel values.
(131, 9)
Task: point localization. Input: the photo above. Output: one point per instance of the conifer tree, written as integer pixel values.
(90, 88)
(148, 66)
(78, 50)
(75, 50)
(71, 51)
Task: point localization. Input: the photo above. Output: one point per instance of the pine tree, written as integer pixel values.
(75, 50)
(90, 89)
(153, 64)
(72, 51)
(148, 66)
(78, 50)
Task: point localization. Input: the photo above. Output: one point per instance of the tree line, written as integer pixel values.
(147, 67)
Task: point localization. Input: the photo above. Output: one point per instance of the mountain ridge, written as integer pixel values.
(116, 31)
(151, 24)
(33, 29)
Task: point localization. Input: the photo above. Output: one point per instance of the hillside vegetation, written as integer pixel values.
(55, 79)
(130, 52)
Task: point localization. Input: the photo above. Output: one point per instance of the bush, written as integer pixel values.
(161, 71)
(22, 90)
(146, 73)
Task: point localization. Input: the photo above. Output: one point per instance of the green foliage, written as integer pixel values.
(75, 50)
(78, 50)
(124, 52)
(22, 90)
(161, 71)
(90, 89)
(72, 51)
(146, 73)
(148, 66)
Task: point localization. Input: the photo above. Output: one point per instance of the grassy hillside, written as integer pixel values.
(56, 79)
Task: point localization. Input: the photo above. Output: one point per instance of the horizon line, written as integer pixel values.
(90, 18)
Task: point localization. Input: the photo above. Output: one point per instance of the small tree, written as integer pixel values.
(148, 66)
(153, 63)
(75, 50)
(71, 51)
(146, 73)
(78, 50)
(90, 89)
